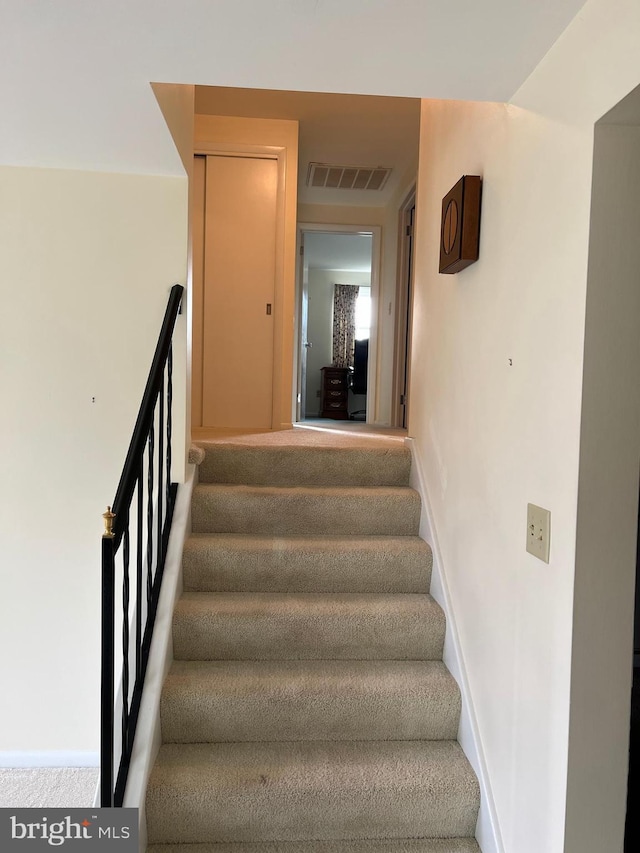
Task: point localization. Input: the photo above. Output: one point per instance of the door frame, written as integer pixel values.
(267, 152)
(404, 312)
(375, 231)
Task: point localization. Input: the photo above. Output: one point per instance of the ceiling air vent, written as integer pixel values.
(347, 177)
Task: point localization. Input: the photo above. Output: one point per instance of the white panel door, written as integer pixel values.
(238, 293)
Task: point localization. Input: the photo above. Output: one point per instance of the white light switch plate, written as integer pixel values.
(538, 531)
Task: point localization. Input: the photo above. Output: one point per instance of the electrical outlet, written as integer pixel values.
(318, 393)
(538, 531)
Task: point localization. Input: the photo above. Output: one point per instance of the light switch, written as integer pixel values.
(538, 531)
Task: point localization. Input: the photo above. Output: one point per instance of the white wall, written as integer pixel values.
(496, 414)
(86, 263)
(494, 436)
(177, 105)
(319, 334)
(320, 326)
(607, 501)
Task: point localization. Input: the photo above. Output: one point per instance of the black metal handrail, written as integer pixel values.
(122, 534)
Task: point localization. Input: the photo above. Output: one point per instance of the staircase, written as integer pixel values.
(308, 709)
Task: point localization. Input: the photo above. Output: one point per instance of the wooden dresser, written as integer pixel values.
(334, 397)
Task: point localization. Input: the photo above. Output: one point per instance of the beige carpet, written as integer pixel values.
(321, 431)
(47, 787)
(308, 709)
(371, 845)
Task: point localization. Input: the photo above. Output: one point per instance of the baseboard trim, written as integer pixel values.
(488, 832)
(49, 758)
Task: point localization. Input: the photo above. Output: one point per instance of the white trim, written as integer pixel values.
(297, 389)
(50, 758)
(376, 241)
(148, 736)
(403, 320)
(238, 149)
(488, 832)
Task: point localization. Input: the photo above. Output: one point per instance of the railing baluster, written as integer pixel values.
(169, 420)
(107, 664)
(160, 467)
(150, 518)
(159, 497)
(125, 638)
(139, 530)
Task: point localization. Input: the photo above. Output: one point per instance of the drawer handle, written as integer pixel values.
(336, 393)
(335, 405)
(336, 381)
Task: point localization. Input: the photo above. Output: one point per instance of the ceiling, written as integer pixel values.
(344, 252)
(75, 75)
(349, 130)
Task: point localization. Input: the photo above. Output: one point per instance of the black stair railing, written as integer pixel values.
(145, 489)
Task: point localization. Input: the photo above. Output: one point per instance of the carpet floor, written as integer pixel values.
(47, 787)
(308, 709)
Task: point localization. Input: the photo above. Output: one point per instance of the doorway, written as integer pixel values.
(336, 262)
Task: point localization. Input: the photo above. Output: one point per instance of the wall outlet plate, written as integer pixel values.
(538, 532)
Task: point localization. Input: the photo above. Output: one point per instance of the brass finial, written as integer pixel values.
(108, 523)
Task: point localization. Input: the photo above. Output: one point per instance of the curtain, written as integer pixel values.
(344, 324)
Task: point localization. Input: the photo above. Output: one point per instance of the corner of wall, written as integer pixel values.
(177, 104)
(488, 832)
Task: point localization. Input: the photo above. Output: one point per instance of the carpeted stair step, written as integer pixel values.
(283, 511)
(207, 701)
(307, 465)
(370, 845)
(307, 626)
(310, 791)
(257, 563)
(307, 709)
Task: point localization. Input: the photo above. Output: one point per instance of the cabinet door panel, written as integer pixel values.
(239, 284)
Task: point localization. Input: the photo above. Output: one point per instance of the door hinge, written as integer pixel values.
(409, 230)
(403, 399)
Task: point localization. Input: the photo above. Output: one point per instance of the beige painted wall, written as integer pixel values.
(328, 214)
(493, 436)
(86, 264)
(496, 413)
(245, 134)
